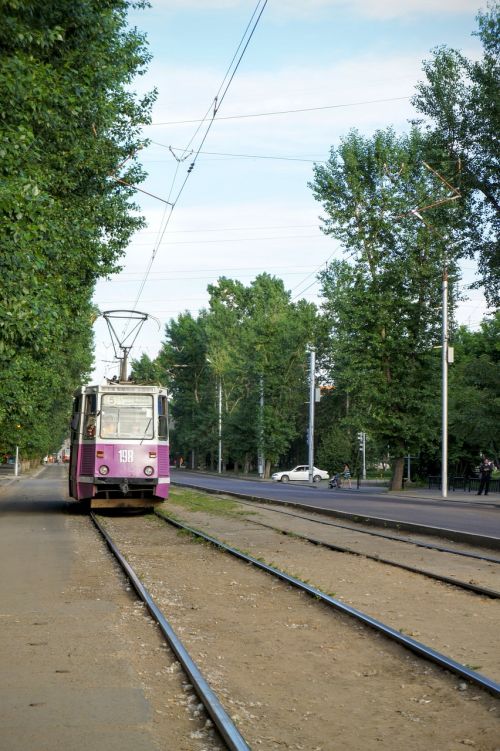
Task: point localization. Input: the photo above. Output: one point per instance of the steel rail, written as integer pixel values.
(408, 540)
(430, 574)
(406, 641)
(222, 721)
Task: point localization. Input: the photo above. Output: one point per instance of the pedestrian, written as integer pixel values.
(346, 474)
(485, 470)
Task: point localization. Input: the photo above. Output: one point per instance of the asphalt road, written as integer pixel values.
(461, 512)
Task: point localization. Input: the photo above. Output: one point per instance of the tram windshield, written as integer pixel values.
(127, 416)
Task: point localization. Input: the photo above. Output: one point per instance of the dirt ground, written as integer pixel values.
(296, 675)
(461, 624)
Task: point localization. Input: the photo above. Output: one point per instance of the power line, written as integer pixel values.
(238, 240)
(290, 112)
(209, 275)
(234, 229)
(219, 99)
(233, 67)
(213, 270)
(245, 156)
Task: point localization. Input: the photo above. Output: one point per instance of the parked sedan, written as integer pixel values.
(301, 472)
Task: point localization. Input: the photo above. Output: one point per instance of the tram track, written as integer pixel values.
(349, 540)
(372, 533)
(420, 649)
(376, 588)
(159, 555)
(476, 588)
(227, 730)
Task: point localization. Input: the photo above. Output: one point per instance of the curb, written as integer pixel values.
(493, 543)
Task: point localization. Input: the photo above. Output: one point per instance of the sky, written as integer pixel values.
(246, 207)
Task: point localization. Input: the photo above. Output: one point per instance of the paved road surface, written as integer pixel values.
(461, 511)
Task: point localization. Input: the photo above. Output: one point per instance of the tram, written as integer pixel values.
(119, 446)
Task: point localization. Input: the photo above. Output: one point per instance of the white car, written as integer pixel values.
(301, 472)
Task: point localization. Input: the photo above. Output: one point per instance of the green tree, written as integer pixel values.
(68, 122)
(146, 370)
(461, 98)
(382, 305)
(474, 400)
(183, 367)
(257, 342)
(251, 340)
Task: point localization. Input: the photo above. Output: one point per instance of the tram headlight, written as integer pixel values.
(148, 471)
(103, 470)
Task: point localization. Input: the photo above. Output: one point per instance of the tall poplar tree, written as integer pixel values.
(69, 127)
(461, 99)
(383, 302)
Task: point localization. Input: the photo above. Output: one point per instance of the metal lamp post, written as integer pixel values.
(312, 384)
(219, 458)
(219, 419)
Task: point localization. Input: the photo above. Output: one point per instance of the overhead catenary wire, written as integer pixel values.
(288, 112)
(219, 98)
(233, 229)
(246, 156)
(217, 102)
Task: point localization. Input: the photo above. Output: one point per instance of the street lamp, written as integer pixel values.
(312, 394)
(219, 458)
(260, 452)
(362, 448)
(219, 421)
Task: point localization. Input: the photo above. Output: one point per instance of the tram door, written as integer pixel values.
(74, 444)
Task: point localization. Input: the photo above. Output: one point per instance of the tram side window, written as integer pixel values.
(90, 416)
(75, 418)
(162, 418)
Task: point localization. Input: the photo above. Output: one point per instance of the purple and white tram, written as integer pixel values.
(119, 446)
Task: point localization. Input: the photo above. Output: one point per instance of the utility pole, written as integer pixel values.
(260, 456)
(444, 393)
(362, 448)
(364, 456)
(446, 358)
(312, 384)
(219, 459)
(446, 353)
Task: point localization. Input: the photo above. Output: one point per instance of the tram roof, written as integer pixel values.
(122, 388)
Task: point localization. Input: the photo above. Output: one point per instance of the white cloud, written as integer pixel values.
(357, 83)
(382, 9)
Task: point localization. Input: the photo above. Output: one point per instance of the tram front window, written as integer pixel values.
(127, 416)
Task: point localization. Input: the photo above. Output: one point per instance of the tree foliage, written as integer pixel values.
(250, 342)
(382, 304)
(185, 371)
(68, 123)
(474, 409)
(461, 99)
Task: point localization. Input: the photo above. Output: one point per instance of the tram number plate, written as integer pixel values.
(126, 456)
